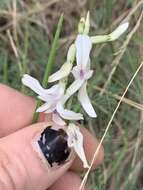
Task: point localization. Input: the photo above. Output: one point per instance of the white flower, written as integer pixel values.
(75, 141)
(53, 100)
(82, 73)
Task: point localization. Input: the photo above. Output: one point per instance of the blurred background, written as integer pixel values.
(27, 29)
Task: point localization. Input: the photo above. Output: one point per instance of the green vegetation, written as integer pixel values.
(27, 30)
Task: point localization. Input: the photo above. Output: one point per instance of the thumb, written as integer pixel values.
(29, 158)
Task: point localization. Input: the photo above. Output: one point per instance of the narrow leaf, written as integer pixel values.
(50, 63)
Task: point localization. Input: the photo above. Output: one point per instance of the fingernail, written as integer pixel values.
(53, 145)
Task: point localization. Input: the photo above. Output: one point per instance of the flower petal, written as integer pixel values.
(45, 98)
(44, 94)
(88, 74)
(33, 84)
(80, 74)
(83, 47)
(85, 101)
(51, 109)
(52, 94)
(76, 72)
(63, 72)
(75, 86)
(75, 140)
(68, 114)
(57, 119)
(44, 107)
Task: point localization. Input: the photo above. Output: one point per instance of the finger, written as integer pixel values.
(19, 108)
(23, 164)
(69, 181)
(15, 111)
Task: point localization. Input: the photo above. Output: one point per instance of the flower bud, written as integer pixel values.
(112, 36)
(87, 24)
(119, 31)
(63, 72)
(81, 26)
(71, 53)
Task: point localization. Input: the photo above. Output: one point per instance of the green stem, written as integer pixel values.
(25, 53)
(49, 64)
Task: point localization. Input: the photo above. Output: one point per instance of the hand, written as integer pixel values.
(21, 167)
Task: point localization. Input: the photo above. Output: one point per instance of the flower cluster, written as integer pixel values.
(55, 98)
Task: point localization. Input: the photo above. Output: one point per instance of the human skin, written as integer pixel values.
(21, 167)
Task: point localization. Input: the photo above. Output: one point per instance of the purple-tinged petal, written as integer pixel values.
(88, 74)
